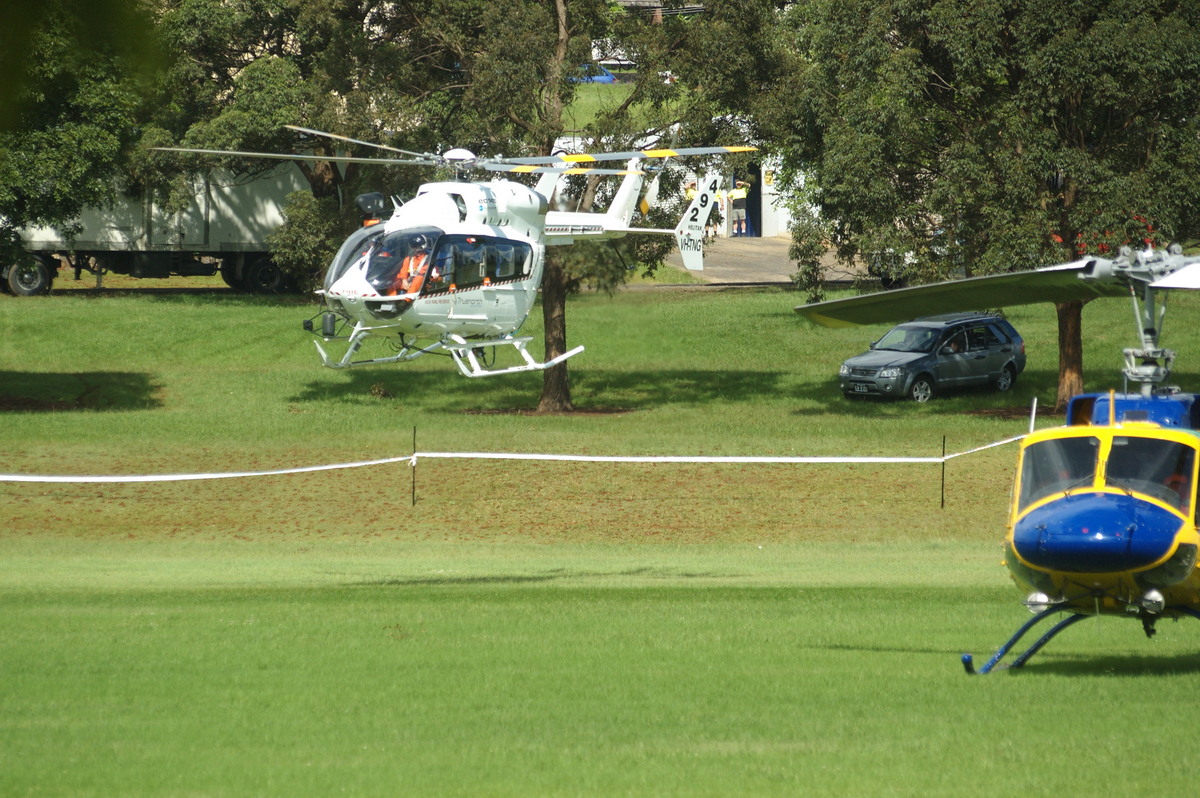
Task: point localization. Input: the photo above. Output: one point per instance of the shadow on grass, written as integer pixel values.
(600, 390)
(625, 390)
(442, 581)
(825, 397)
(94, 390)
(1111, 665)
(550, 576)
(203, 295)
(980, 400)
(879, 649)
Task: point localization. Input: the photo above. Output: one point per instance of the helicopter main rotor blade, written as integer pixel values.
(561, 169)
(279, 156)
(629, 155)
(490, 166)
(349, 140)
(1052, 284)
(1186, 277)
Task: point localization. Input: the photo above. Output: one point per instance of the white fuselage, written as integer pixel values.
(476, 254)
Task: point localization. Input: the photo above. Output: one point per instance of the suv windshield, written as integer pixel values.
(908, 339)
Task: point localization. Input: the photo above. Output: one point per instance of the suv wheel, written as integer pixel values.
(1006, 379)
(922, 389)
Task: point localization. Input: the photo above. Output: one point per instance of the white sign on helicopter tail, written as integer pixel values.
(689, 233)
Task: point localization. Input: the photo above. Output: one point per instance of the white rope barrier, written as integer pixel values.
(576, 458)
(187, 477)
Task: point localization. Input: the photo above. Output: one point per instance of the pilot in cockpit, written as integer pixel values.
(412, 269)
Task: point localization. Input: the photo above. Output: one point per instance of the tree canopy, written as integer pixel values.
(68, 108)
(984, 136)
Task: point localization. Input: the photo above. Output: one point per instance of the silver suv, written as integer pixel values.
(926, 356)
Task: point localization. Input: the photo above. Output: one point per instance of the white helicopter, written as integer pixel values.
(457, 268)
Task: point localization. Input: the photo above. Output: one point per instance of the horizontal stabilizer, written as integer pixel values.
(1053, 284)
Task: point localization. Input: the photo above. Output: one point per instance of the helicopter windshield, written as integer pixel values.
(1156, 467)
(398, 261)
(908, 339)
(352, 249)
(1056, 465)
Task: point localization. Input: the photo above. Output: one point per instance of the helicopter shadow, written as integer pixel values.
(41, 392)
(1058, 664)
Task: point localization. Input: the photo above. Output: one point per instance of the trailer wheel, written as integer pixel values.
(265, 277)
(30, 275)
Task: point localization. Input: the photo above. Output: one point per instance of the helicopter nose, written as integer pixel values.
(1096, 533)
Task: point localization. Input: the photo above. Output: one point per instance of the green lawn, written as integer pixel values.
(536, 628)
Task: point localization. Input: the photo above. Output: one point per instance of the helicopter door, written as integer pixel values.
(466, 300)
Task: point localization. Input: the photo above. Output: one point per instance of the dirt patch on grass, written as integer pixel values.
(528, 411)
(1009, 413)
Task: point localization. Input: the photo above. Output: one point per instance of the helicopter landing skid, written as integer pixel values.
(968, 662)
(466, 356)
(356, 340)
(1046, 638)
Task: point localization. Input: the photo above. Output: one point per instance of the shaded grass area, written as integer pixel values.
(56, 393)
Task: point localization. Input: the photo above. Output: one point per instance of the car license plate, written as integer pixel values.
(860, 387)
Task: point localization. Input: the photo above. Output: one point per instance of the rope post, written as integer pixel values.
(413, 467)
(943, 472)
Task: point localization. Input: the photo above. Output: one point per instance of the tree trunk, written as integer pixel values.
(556, 388)
(323, 178)
(1070, 351)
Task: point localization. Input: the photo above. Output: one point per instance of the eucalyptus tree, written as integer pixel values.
(984, 136)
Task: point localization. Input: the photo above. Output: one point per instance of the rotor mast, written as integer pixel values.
(1149, 364)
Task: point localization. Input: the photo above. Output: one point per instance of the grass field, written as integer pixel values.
(536, 628)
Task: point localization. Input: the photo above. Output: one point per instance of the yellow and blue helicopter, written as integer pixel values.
(1104, 510)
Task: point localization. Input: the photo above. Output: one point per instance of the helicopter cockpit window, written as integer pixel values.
(503, 262)
(399, 261)
(470, 261)
(1057, 465)
(1155, 467)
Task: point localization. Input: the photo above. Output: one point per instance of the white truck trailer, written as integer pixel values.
(223, 228)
